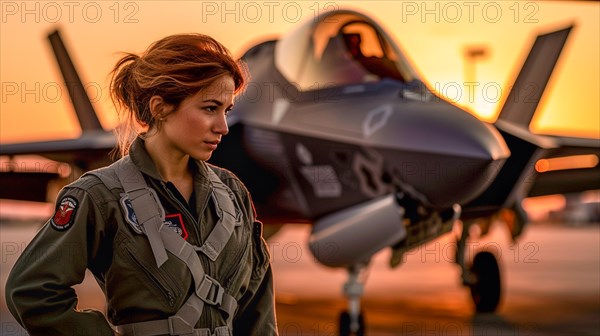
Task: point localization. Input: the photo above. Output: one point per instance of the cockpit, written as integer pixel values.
(339, 48)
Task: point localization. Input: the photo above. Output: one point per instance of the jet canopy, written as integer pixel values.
(339, 48)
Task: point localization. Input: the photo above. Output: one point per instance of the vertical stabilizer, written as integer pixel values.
(88, 120)
(531, 82)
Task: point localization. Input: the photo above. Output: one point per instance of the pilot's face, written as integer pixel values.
(199, 123)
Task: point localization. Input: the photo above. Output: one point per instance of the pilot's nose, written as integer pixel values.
(220, 126)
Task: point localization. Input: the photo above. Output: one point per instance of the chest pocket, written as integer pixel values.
(167, 284)
(136, 289)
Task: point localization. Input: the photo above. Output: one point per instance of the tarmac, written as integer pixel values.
(551, 285)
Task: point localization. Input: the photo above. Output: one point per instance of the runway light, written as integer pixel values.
(566, 162)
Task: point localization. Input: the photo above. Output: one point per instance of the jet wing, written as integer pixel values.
(573, 166)
(87, 151)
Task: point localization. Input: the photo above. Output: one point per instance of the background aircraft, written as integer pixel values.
(369, 154)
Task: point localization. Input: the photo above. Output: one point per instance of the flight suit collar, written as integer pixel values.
(140, 157)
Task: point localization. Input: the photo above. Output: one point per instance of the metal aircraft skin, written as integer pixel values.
(335, 129)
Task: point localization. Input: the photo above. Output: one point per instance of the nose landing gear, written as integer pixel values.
(352, 321)
(482, 277)
(485, 289)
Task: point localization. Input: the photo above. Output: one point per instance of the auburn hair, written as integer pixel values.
(174, 68)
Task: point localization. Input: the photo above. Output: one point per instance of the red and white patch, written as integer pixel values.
(65, 213)
(175, 223)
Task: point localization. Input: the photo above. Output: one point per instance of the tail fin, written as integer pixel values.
(88, 119)
(525, 94)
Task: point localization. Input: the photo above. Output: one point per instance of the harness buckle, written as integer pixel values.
(213, 294)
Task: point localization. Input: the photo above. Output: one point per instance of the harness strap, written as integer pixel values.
(147, 207)
(103, 174)
(219, 236)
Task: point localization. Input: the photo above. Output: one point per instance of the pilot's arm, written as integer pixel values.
(39, 289)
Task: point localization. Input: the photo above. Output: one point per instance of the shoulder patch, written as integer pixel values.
(130, 216)
(65, 213)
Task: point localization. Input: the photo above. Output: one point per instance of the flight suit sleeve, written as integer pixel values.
(256, 314)
(39, 290)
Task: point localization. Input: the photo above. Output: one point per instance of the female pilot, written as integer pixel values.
(172, 240)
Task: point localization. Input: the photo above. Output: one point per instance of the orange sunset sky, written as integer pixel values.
(433, 34)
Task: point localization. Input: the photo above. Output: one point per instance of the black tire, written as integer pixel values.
(486, 290)
(345, 325)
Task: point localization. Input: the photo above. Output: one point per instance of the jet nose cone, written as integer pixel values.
(442, 151)
(437, 128)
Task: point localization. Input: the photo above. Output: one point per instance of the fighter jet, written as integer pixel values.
(337, 130)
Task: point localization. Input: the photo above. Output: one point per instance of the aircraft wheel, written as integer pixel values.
(345, 325)
(486, 289)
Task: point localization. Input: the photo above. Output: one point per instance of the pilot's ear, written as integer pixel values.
(158, 108)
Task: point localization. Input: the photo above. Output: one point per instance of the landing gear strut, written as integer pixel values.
(352, 321)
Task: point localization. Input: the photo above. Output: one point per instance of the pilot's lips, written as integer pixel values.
(212, 144)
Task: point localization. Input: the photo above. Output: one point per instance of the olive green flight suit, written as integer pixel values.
(92, 228)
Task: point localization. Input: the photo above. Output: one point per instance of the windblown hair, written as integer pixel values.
(173, 68)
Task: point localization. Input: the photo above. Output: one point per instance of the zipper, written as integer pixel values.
(154, 280)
